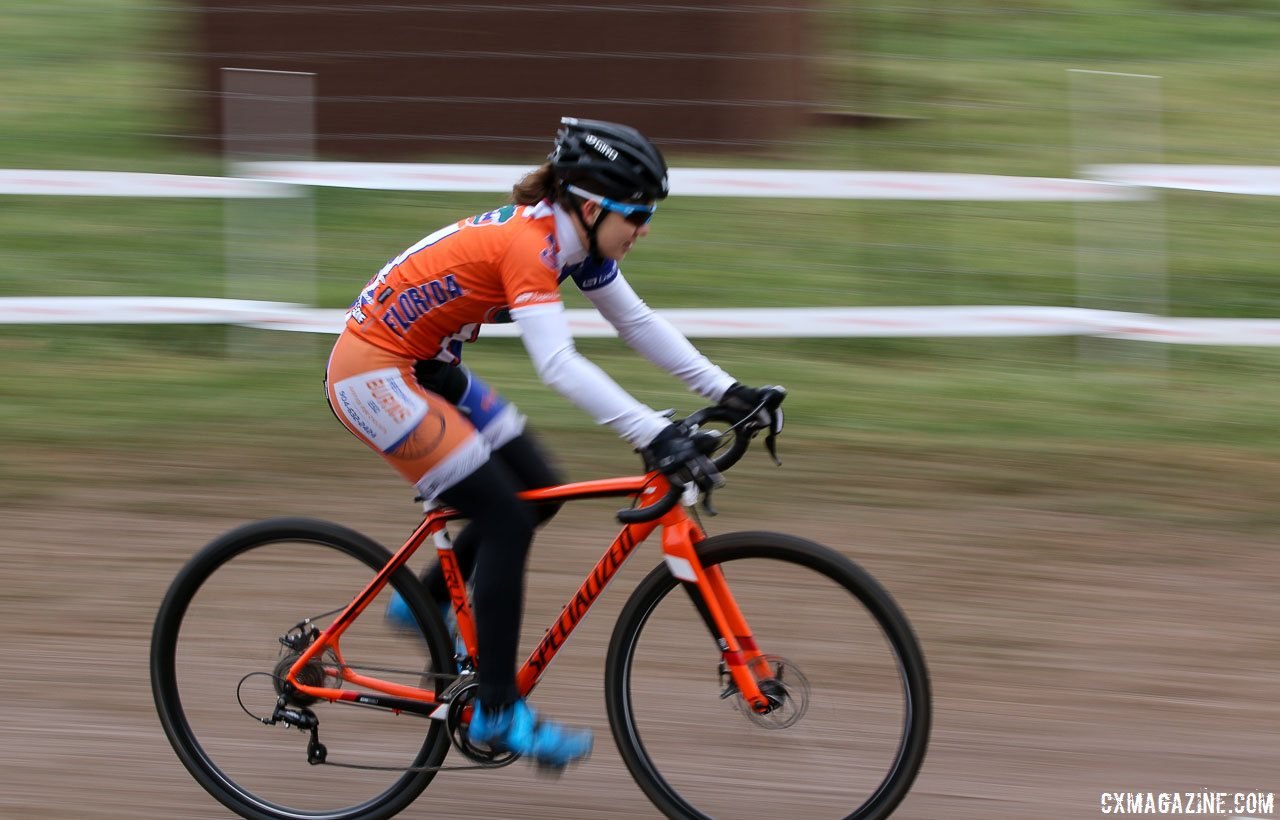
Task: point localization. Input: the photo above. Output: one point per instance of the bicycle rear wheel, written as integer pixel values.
(853, 726)
(216, 653)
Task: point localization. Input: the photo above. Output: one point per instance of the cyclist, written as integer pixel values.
(395, 381)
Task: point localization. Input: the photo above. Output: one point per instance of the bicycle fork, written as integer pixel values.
(707, 588)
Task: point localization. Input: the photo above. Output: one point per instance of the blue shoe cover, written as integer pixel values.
(400, 617)
(398, 613)
(516, 728)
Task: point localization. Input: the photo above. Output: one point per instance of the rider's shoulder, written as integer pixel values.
(509, 216)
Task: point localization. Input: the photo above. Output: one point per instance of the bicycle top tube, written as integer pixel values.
(597, 488)
(647, 485)
(662, 493)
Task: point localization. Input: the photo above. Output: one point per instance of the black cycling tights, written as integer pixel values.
(492, 550)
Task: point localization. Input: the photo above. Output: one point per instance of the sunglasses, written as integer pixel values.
(635, 214)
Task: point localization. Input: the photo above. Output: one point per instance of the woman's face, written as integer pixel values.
(615, 236)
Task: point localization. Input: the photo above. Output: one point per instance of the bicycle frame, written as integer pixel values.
(680, 534)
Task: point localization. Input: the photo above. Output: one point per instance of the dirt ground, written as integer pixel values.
(1080, 641)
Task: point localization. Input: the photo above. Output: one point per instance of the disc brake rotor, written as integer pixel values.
(312, 674)
(787, 690)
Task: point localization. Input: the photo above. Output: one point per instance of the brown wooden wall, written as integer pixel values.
(406, 80)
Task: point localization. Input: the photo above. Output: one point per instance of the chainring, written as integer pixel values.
(481, 753)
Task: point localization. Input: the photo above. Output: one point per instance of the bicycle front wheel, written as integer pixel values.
(217, 661)
(852, 722)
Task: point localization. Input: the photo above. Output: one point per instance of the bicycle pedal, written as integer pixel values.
(553, 772)
(556, 771)
(549, 772)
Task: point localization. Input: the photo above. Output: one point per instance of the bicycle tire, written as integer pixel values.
(401, 791)
(730, 788)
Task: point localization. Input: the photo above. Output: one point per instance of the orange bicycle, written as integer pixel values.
(782, 680)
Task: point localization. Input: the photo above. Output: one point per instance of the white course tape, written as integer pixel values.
(138, 310)
(1258, 180)
(893, 185)
(743, 323)
(278, 179)
(395, 176)
(1245, 332)
(388, 176)
(110, 183)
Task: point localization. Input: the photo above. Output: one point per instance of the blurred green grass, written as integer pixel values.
(1217, 251)
(88, 86)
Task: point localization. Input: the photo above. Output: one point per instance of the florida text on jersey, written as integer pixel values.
(433, 297)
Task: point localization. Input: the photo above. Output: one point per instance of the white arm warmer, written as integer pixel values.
(559, 364)
(657, 340)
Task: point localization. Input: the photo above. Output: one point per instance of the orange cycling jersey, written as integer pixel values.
(433, 297)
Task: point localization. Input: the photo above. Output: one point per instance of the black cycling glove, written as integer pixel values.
(766, 402)
(681, 458)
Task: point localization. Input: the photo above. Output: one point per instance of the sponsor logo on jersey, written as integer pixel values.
(387, 394)
(589, 276)
(414, 302)
(535, 297)
(380, 405)
(549, 257)
(495, 217)
(366, 295)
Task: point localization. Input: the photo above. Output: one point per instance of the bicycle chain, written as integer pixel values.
(452, 678)
(507, 762)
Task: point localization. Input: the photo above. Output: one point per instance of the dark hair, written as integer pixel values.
(537, 185)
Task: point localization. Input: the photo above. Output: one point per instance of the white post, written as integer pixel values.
(269, 244)
(1121, 253)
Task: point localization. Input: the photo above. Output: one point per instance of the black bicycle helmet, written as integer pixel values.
(608, 159)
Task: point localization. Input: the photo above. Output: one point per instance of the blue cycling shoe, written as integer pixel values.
(398, 613)
(400, 617)
(516, 728)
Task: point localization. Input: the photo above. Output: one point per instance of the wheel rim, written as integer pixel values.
(236, 615)
(848, 755)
